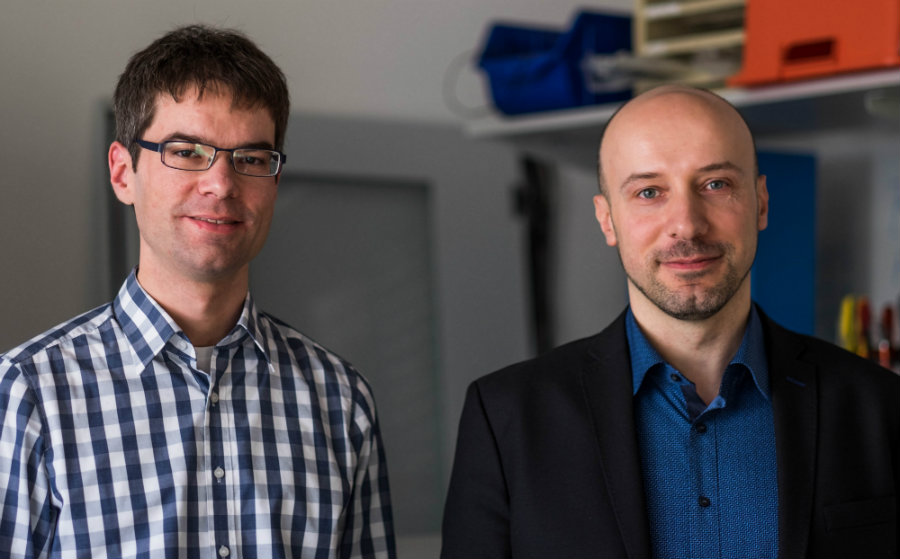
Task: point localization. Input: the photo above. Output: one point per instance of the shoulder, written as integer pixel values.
(60, 336)
(836, 368)
(284, 338)
(843, 367)
(317, 364)
(560, 368)
(27, 371)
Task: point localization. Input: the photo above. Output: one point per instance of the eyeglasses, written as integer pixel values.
(191, 156)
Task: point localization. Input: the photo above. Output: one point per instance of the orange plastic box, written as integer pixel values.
(796, 39)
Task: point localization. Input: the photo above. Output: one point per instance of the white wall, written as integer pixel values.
(59, 63)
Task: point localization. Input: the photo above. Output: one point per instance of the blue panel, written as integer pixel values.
(784, 275)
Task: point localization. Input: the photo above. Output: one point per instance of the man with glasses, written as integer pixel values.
(179, 420)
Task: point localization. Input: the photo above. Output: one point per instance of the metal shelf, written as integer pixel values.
(810, 103)
(664, 10)
(695, 42)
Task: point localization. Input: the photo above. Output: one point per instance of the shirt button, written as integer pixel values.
(703, 501)
(224, 551)
(701, 428)
(675, 378)
(219, 473)
(214, 398)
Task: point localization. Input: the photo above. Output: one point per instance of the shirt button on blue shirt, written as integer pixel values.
(718, 458)
(224, 551)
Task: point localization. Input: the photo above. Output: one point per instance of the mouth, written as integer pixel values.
(215, 221)
(689, 261)
(693, 264)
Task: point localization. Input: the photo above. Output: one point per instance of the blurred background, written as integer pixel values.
(425, 230)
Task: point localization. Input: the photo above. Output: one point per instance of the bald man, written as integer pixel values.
(693, 425)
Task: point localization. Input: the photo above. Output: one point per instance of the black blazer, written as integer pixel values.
(547, 461)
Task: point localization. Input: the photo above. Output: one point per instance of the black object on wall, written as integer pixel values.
(533, 202)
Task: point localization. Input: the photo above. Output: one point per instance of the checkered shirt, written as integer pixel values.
(114, 444)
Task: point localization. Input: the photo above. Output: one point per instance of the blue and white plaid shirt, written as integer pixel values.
(114, 444)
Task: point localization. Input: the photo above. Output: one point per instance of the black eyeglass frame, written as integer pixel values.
(160, 147)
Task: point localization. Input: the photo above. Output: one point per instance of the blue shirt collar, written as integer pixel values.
(149, 328)
(751, 353)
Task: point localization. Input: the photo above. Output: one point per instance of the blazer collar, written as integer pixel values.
(607, 382)
(606, 377)
(795, 409)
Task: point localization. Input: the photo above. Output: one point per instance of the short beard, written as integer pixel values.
(695, 306)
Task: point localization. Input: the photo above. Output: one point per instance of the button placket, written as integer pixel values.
(219, 450)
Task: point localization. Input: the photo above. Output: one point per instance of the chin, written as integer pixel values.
(218, 272)
(691, 313)
(689, 303)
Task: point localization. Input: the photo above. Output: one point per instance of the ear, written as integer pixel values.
(762, 201)
(604, 218)
(121, 173)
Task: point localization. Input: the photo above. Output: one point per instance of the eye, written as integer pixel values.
(185, 150)
(250, 160)
(185, 153)
(716, 185)
(253, 158)
(647, 193)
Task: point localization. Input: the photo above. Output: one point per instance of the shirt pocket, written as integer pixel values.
(857, 514)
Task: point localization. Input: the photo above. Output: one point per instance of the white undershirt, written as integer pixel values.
(204, 358)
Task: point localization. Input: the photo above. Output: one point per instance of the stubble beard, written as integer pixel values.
(691, 305)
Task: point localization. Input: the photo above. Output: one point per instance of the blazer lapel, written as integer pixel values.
(795, 411)
(608, 389)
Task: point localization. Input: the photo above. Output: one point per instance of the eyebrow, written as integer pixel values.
(179, 137)
(634, 177)
(721, 166)
(718, 166)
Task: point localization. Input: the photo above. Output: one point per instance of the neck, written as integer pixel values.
(698, 349)
(205, 311)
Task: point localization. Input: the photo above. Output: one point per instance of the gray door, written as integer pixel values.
(396, 245)
(348, 261)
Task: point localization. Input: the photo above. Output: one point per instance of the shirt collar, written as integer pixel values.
(751, 353)
(149, 328)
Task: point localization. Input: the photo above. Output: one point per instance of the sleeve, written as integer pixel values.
(369, 529)
(476, 513)
(27, 519)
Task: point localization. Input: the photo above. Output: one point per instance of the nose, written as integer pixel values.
(219, 180)
(687, 217)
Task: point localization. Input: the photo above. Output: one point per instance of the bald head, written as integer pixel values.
(682, 202)
(666, 113)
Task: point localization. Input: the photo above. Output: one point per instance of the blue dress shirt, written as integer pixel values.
(709, 471)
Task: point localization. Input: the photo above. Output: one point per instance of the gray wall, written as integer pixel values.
(60, 60)
(385, 60)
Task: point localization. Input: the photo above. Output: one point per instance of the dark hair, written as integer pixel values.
(212, 60)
